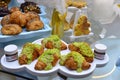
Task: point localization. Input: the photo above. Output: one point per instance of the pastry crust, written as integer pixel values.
(11, 29)
(13, 9)
(34, 25)
(50, 45)
(48, 59)
(19, 18)
(53, 42)
(31, 16)
(40, 65)
(72, 65)
(5, 20)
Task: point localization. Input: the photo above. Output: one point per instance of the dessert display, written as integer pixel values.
(82, 27)
(53, 41)
(49, 54)
(84, 49)
(30, 6)
(30, 24)
(18, 20)
(74, 61)
(29, 53)
(48, 59)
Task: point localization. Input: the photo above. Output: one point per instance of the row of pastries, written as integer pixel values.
(48, 54)
(16, 19)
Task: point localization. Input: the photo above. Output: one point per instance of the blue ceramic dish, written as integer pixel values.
(27, 34)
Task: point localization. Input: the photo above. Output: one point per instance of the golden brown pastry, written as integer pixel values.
(5, 20)
(34, 25)
(13, 9)
(19, 18)
(11, 29)
(29, 53)
(40, 65)
(48, 59)
(53, 41)
(32, 15)
(74, 61)
(84, 49)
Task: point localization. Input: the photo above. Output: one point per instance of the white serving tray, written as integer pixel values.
(15, 66)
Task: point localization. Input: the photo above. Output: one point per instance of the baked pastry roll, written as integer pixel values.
(48, 59)
(11, 29)
(13, 9)
(5, 20)
(53, 41)
(34, 25)
(29, 53)
(19, 18)
(84, 49)
(74, 61)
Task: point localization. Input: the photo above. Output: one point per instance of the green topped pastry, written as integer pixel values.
(30, 52)
(74, 61)
(84, 49)
(48, 59)
(53, 41)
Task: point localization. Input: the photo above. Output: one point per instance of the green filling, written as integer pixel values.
(85, 49)
(54, 39)
(38, 46)
(78, 58)
(62, 59)
(28, 50)
(47, 57)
